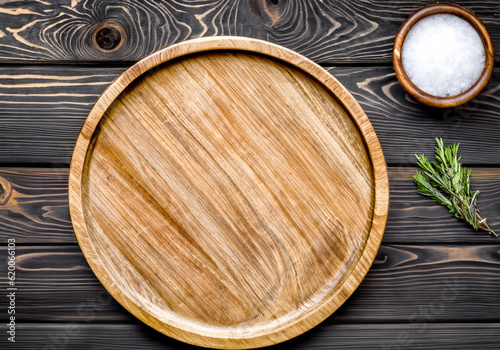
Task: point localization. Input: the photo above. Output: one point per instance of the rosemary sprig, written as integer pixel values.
(449, 184)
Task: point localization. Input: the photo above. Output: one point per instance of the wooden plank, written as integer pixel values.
(419, 283)
(406, 127)
(43, 108)
(329, 31)
(417, 336)
(416, 218)
(37, 211)
(37, 103)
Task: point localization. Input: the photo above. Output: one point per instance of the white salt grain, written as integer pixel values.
(443, 55)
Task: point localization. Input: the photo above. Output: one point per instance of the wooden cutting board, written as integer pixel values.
(228, 192)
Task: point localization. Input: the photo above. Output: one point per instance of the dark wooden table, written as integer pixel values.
(435, 283)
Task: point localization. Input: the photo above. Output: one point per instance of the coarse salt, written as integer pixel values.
(443, 55)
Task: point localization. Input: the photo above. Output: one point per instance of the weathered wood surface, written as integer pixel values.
(425, 252)
(42, 110)
(407, 283)
(416, 218)
(421, 336)
(326, 31)
(36, 102)
(37, 212)
(406, 127)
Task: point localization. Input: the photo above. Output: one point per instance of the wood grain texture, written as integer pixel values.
(324, 31)
(36, 102)
(42, 110)
(5, 191)
(39, 212)
(406, 127)
(37, 209)
(217, 215)
(418, 336)
(406, 284)
(416, 218)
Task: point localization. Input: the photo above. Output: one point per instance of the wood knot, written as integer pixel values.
(268, 11)
(5, 191)
(108, 37)
(381, 258)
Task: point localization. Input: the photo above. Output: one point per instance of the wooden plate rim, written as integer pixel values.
(329, 303)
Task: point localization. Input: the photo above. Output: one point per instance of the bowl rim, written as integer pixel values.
(450, 101)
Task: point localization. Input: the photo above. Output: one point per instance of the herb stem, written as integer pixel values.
(484, 226)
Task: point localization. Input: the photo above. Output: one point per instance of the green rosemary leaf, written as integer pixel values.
(448, 183)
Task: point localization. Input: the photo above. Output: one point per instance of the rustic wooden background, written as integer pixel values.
(435, 283)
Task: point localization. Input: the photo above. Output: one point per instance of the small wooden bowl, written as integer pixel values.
(451, 101)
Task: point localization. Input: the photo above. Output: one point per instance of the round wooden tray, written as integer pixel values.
(228, 192)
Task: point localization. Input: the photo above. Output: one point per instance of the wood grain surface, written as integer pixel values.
(428, 283)
(57, 57)
(406, 127)
(38, 211)
(55, 103)
(324, 31)
(208, 193)
(441, 336)
(35, 102)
